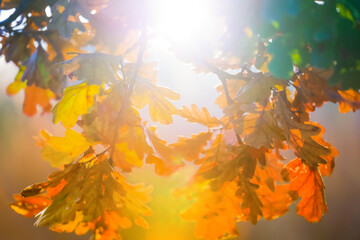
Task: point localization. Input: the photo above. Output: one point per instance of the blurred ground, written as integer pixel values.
(21, 165)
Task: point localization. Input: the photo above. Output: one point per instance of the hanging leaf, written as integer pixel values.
(93, 68)
(191, 148)
(82, 198)
(203, 117)
(76, 101)
(306, 183)
(62, 150)
(37, 96)
(160, 108)
(300, 135)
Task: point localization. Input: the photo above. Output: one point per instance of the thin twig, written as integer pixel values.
(223, 76)
(98, 155)
(128, 94)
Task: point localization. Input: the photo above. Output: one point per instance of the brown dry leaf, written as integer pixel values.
(261, 129)
(300, 135)
(258, 90)
(251, 202)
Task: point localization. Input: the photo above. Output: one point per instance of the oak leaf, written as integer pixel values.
(194, 114)
(191, 148)
(37, 96)
(261, 129)
(272, 191)
(350, 100)
(306, 182)
(62, 150)
(215, 213)
(300, 135)
(157, 97)
(161, 154)
(85, 197)
(93, 68)
(41, 72)
(17, 85)
(76, 101)
(29, 206)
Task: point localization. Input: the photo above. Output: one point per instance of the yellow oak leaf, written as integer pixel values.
(160, 108)
(62, 150)
(126, 159)
(17, 85)
(76, 101)
(194, 114)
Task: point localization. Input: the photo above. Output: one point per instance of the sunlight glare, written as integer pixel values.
(184, 21)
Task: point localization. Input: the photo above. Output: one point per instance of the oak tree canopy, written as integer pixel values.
(86, 62)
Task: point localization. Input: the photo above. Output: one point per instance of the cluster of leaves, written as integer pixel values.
(241, 175)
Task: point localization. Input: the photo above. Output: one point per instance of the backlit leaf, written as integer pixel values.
(37, 96)
(76, 101)
(157, 97)
(191, 148)
(63, 150)
(300, 135)
(306, 183)
(194, 114)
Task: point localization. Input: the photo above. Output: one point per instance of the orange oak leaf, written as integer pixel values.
(272, 191)
(350, 100)
(37, 96)
(215, 213)
(191, 148)
(306, 183)
(161, 154)
(29, 206)
(326, 169)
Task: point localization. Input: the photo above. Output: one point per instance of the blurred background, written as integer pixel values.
(21, 165)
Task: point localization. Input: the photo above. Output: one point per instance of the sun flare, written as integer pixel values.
(184, 21)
